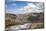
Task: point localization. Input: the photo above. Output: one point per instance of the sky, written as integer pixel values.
(20, 7)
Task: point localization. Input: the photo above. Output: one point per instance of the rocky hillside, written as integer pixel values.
(15, 19)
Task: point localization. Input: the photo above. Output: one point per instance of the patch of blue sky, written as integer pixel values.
(14, 5)
(11, 6)
(21, 3)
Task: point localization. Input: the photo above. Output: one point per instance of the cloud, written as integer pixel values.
(30, 8)
(31, 5)
(20, 8)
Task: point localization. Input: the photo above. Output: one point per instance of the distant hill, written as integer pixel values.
(22, 17)
(15, 19)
